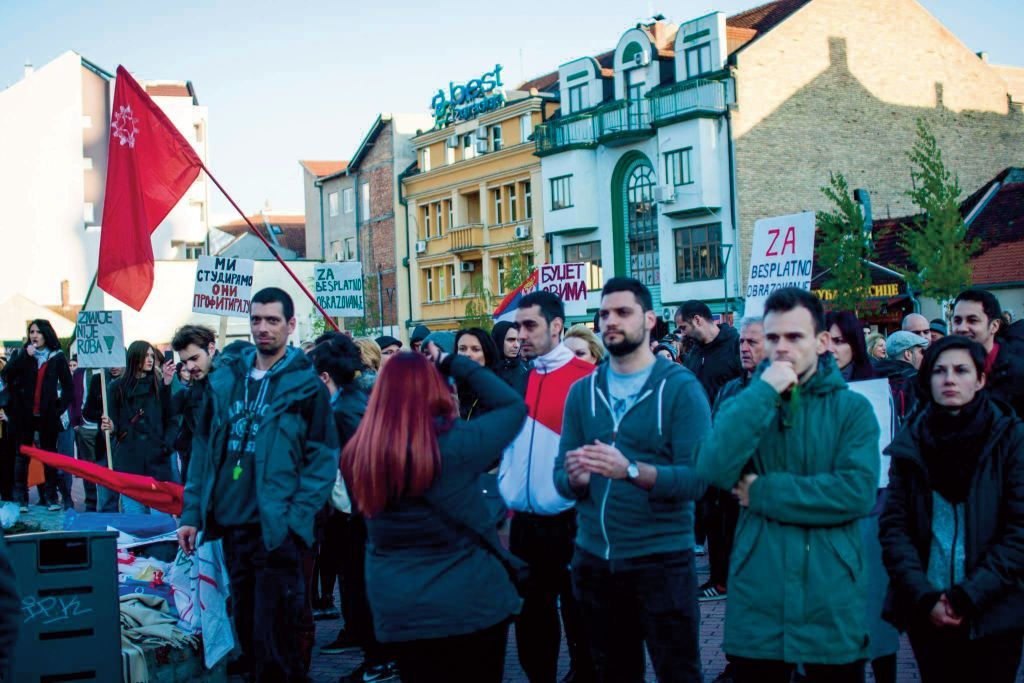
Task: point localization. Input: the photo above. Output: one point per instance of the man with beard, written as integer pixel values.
(626, 455)
(196, 346)
(978, 316)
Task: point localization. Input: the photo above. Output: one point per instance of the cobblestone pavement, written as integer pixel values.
(328, 668)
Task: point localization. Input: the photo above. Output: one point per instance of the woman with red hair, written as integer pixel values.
(438, 587)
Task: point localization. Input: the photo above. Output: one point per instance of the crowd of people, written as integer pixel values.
(560, 482)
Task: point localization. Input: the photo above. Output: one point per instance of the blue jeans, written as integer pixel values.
(628, 603)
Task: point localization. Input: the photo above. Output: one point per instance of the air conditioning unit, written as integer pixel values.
(641, 58)
(665, 194)
(453, 142)
(481, 146)
(522, 232)
(421, 246)
(481, 133)
(467, 267)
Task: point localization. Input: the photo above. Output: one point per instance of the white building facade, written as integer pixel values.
(636, 169)
(54, 129)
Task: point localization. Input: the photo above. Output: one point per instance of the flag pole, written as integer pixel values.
(273, 252)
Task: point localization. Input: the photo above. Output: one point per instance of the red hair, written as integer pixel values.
(394, 452)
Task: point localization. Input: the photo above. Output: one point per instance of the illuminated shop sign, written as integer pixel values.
(464, 102)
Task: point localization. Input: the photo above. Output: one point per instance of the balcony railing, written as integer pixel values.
(689, 98)
(470, 236)
(577, 131)
(624, 117)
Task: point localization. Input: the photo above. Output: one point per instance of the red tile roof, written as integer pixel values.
(767, 16)
(168, 90)
(999, 228)
(324, 168)
(293, 229)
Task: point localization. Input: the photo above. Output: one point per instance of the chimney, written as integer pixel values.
(983, 56)
(29, 69)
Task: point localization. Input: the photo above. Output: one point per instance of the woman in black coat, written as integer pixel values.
(39, 392)
(952, 530)
(140, 415)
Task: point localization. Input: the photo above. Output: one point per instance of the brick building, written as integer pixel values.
(671, 146)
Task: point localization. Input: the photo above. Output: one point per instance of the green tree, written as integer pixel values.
(843, 245)
(480, 308)
(937, 243)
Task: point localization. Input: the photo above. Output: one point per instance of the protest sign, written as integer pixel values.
(569, 282)
(338, 288)
(782, 255)
(99, 339)
(877, 392)
(223, 286)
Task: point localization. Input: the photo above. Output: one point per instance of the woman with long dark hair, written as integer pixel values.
(438, 587)
(40, 390)
(140, 414)
(848, 345)
(476, 345)
(952, 531)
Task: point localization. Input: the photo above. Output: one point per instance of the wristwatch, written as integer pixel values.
(632, 471)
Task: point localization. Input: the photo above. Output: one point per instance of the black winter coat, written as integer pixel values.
(515, 372)
(20, 376)
(994, 524)
(717, 362)
(348, 410)
(141, 416)
(1006, 381)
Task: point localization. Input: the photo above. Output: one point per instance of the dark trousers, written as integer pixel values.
(648, 600)
(47, 442)
(8, 448)
(545, 543)
(949, 655)
(328, 559)
(477, 657)
(773, 671)
(350, 549)
(268, 596)
(723, 513)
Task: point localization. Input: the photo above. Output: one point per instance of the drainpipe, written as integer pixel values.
(323, 244)
(408, 244)
(733, 208)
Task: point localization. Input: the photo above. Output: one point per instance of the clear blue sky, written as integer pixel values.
(304, 80)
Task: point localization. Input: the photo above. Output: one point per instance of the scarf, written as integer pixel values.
(42, 355)
(952, 444)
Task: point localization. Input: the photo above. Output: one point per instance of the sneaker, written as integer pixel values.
(54, 507)
(378, 673)
(328, 613)
(699, 550)
(343, 643)
(711, 591)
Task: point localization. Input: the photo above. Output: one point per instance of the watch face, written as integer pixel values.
(633, 471)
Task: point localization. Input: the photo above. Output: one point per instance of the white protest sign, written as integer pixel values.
(223, 286)
(568, 281)
(99, 339)
(338, 288)
(782, 255)
(877, 392)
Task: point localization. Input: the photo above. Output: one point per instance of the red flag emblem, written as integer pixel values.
(149, 168)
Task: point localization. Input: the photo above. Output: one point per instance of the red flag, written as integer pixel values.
(149, 167)
(159, 495)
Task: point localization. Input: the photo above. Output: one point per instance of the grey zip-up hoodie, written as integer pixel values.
(617, 519)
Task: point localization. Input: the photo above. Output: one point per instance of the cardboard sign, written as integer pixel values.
(782, 255)
(338, 288)
(223, 286)
(568, 281)
(877, 392)
(99, 338)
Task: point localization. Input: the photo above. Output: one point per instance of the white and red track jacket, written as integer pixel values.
(526, 477)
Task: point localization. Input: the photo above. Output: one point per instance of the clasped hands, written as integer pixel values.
(596, 458)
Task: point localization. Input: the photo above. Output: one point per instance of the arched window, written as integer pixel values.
(642, 224)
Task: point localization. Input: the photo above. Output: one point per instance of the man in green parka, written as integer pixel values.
(800, 451)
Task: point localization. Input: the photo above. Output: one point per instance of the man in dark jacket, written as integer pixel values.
(419, 333)
(197, 348)
(904, 351)
(264, 460)
(978, 316)
(800, 451)
(510, 365)
(626, 455)
(715, 357)
(726, 511)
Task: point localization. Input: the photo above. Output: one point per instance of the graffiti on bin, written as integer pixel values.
(52, 610)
